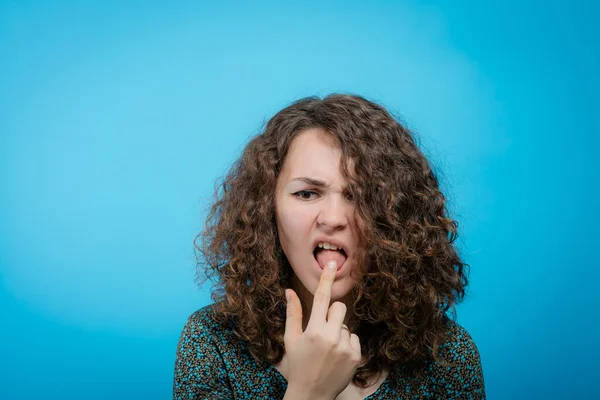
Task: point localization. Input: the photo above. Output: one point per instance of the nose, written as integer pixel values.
(333, 213)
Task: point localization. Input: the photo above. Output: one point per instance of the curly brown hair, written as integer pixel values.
(415, 274)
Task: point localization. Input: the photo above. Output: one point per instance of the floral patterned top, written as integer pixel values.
(212, 363)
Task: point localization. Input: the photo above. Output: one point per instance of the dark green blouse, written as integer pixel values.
(212, 363)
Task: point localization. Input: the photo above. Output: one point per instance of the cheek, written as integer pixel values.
(294, 230)
(357, 219)
(295, 221)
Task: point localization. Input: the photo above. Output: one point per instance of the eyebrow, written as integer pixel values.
(310, 181)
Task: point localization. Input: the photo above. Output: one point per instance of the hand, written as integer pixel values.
(323, 359)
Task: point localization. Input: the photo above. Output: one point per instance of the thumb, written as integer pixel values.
(293, 321)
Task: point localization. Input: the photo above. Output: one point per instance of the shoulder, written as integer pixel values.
(200, 368)
(206, 343)
(458, 346)
(458, 371)
(213, 362)
(203, 318)
(203, 325)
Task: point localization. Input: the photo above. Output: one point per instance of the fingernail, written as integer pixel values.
(332, 265)
(287, 295)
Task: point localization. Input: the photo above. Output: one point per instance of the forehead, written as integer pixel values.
(313, 153)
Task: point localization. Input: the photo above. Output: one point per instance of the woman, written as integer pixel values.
(333, 183)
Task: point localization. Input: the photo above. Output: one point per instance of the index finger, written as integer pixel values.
(322, 296)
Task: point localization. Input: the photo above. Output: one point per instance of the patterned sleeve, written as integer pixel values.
(199, 369)
(464, 378)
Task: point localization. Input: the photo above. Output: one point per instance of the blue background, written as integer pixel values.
(117, 117)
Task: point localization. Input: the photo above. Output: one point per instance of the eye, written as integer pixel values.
(349, 196)
(305, 194)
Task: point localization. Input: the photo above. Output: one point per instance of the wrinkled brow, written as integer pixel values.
(318, 183)
(311, 181)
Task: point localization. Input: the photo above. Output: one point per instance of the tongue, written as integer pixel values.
(324, 256)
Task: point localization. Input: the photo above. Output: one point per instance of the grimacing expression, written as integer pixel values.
(311, 207)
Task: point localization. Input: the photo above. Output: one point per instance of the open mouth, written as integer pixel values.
(323, 256)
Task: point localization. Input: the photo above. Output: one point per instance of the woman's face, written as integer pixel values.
(312, 207)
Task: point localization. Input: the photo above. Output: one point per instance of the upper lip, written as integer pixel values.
(336, 242)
